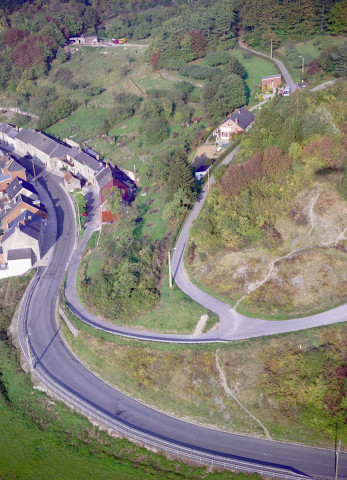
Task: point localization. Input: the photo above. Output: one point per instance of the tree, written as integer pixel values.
(230, 94)
(13, 36)
(337, 18)
(156, 130)
(186, 50)
(91, 18)
(180, 177)
(28, 53)
(178, 205)
(114, 199)
(235, 67)
(198, 43)
(319, 122)
(51, 31)
(155, 59)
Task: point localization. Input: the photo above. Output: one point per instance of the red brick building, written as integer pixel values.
(271, 81)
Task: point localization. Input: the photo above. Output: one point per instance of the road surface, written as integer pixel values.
(60, 370)
(232, 325)
(284, 71)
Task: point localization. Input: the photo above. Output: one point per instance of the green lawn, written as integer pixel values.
(80, 125)
(256, 69)
(176, 312)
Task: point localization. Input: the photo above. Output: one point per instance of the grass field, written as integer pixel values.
(284, 381)
(42, 439)
(256, 69)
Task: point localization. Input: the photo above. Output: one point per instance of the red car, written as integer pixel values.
(84, 214)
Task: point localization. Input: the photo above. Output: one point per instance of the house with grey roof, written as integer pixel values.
(18, 185)
(239, 122)
(41, 146)
(10, 166)
(8, 134)
(17, 206)
(21, 246)
(83, 165)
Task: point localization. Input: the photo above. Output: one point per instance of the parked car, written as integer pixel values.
(286, 91)
(302, 85)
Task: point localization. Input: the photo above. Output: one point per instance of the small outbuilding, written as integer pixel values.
(271, 81)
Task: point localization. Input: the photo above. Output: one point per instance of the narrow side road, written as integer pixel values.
(232, 326)
(284, 71)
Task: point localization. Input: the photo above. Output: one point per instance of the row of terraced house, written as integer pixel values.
(22, 216)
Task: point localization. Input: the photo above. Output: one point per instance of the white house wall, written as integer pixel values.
(16, 268)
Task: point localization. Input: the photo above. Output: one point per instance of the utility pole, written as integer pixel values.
(337, 459)
(32, 161)
(302, 68)
(170, 275)
(271, 48)
(78, 214)
(29, 354)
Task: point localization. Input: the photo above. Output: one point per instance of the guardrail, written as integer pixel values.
(133, 433)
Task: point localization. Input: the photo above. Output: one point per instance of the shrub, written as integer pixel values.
(198, 72)
(175, 63)
(156, 130)
(217, 58)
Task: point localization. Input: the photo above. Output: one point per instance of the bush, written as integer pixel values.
(198, 72)
(175, 63)
(156, 131)
(217, 58)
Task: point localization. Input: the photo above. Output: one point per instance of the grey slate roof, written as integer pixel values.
(15, 166)
(203, 168)
(25, 217)
(85, 159)
(243, 117)
(17, 185)
(19, 254)
(43, 143)
(15, 202)
(104, 176)
(11, 163)
(31, 229)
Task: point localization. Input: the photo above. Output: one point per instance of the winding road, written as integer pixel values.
(56, 366)
(232, 325)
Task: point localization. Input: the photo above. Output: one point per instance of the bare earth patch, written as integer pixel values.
(306, 274)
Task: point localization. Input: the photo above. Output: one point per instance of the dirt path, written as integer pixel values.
(229, 392)
(200, 325)
(164, 73)
(326, 231)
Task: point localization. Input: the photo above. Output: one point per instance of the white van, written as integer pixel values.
(286, 91)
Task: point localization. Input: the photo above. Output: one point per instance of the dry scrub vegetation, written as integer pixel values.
(291, 386)
(306, 272)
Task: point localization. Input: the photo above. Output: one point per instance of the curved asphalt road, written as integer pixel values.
(59, 369)
(284, 71)
(232, 326)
